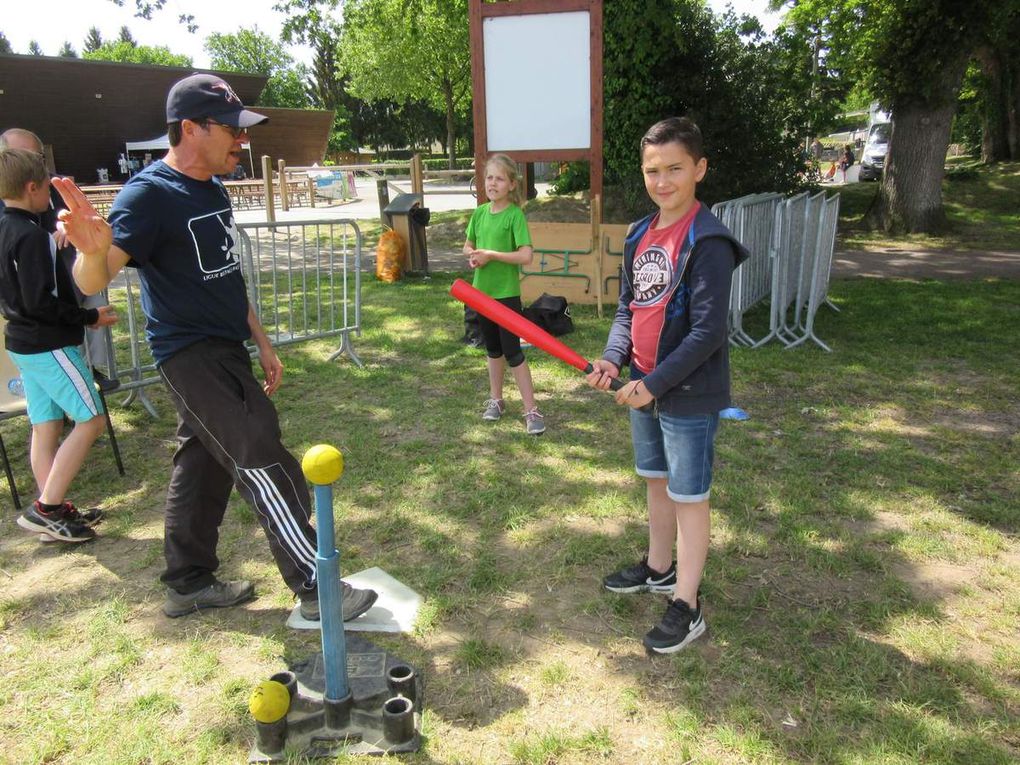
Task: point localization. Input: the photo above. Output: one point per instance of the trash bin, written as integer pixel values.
(408, 218)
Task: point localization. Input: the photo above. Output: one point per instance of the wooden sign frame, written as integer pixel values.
(479, 10)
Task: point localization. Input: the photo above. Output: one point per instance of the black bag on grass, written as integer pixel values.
(551, 313)
(472, 329)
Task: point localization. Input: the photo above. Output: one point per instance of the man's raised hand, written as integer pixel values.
(85, 228)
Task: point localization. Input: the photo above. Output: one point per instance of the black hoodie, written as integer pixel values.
(692, 373)
(36, 292)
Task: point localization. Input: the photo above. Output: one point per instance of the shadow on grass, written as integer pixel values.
(855, 467)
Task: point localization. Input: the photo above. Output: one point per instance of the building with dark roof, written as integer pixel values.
(86, 111)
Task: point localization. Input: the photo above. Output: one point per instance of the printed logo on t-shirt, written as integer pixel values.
(653, 272)
(215, 237)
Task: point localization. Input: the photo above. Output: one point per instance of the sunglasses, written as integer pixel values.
(236, 132)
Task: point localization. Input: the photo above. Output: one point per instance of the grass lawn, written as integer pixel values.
(981, 206)
(861, 590)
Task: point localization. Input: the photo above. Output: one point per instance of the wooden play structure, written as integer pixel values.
(580, 261)
(537, 112)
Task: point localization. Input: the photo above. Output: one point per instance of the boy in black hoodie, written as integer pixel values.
(44, 328)
(671, 329)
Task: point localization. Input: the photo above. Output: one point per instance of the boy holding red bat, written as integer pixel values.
(671, 329)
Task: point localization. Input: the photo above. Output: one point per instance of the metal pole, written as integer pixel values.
(327, 565)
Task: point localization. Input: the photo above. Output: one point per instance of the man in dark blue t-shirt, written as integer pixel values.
(173, 223)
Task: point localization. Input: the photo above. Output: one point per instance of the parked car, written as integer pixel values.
(875, 149)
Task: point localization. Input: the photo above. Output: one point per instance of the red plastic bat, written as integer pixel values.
(514, 322)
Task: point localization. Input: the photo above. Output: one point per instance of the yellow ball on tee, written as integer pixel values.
(322, 464)
(269, 701)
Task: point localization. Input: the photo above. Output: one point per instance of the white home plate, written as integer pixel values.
(394, 611)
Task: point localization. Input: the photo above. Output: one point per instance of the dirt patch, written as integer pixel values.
(936, 580)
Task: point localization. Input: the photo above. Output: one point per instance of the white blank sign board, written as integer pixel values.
(538, 81)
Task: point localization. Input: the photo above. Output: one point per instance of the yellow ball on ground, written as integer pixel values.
(269, 701)
(322, 464)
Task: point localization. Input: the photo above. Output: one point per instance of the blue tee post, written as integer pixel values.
(322, 465)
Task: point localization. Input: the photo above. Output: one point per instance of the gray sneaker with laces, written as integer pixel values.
(356, 602)
(493, 409)
(216, 595)
(534, 422)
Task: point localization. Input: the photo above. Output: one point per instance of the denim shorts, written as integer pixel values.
(679, 448)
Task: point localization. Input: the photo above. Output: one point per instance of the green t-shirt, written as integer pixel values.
(506, 231)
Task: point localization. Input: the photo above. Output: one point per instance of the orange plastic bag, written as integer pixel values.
(389, 257)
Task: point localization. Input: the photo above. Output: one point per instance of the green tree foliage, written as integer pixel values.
(67, 50)
(750, 96)
(34, 49)
(970, 110)
(127, 53)
(912, 54)
(125, 36)
(145, 9)
(251, 50)
(5, 44)
(312, 22)
(93, 40)
(410, 50)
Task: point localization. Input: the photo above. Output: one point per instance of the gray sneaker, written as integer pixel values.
(534, 422)
(493, 409)
(356, 602)
(216, 595)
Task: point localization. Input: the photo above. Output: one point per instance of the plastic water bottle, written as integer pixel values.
(16, 387)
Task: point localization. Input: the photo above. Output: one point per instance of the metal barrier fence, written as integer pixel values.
(752, 219)
(304, 282)
(791, 242)
(817, 285)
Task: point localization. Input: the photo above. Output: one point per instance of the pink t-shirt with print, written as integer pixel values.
(654, 271)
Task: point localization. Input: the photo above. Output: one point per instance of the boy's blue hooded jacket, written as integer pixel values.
(692, 372)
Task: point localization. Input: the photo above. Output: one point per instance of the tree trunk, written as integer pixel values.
(995, 110)
(451, 123)
(1013, 109)
(910, 198)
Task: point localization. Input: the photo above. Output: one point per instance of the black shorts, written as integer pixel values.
(500, 342)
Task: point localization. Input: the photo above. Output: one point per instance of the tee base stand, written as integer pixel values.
(380, 715)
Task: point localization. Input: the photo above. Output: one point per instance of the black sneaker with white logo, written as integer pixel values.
(89, 517)
(93, 516)
(641, 578)
(56, 525)
(680, 626)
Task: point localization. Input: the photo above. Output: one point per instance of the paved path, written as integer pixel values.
(897, 263)
(888, 262)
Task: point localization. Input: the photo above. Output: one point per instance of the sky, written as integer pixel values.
(77, 16)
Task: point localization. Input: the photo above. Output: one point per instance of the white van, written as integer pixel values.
(875, 149)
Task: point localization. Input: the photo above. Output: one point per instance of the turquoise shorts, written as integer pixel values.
(57, 383)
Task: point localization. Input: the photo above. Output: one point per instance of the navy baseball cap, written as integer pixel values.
(206, 96)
